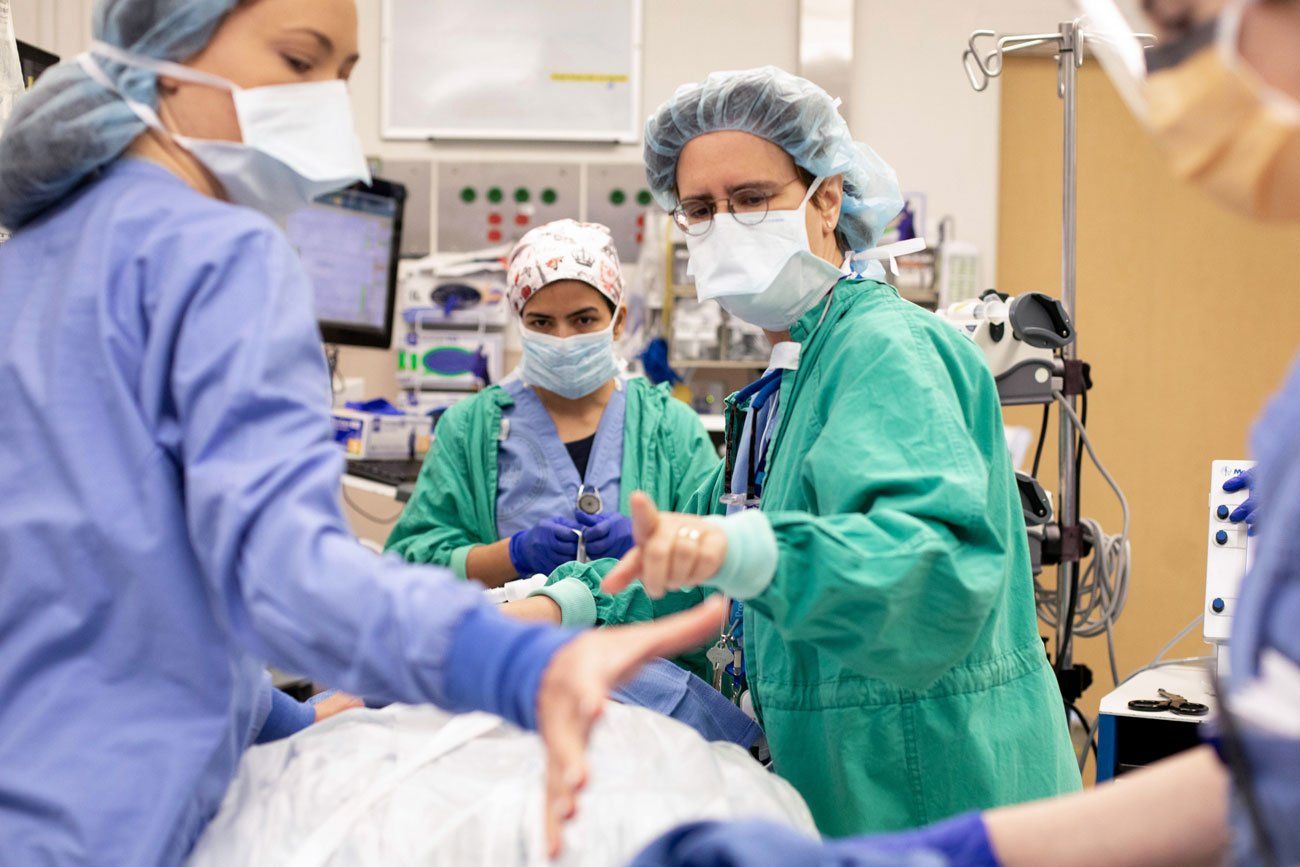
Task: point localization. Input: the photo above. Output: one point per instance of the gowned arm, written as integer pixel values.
(901, 556)
(261, 480)
(575, 588)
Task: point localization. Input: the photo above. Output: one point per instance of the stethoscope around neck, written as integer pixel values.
(589, 502)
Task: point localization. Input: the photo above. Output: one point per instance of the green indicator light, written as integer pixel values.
(522, 195)
(617, 197)
(468, 195)
(549, 196)
(495, 195)
(643, 198)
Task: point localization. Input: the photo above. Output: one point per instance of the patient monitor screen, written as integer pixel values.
(346, 244)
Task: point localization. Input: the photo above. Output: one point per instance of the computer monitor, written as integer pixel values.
(349, 243)
(33, 61)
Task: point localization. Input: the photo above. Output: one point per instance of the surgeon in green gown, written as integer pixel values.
(498, 496)
(875, 535)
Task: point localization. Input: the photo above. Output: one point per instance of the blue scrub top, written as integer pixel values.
(536, 478)
(1268, 622)
(170, 522)
(1268, 613)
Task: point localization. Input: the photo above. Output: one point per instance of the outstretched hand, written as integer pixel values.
(673, 551)
(578, 681)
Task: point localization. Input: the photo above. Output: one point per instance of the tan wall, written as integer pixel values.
(1190, 316)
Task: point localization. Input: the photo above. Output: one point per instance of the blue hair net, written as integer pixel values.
(69, 126)
(792, 113)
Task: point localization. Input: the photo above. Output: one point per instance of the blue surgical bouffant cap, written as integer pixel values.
(69, 126)
(792, 113)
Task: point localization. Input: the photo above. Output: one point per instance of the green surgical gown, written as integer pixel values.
(666, 453)
(894, 658)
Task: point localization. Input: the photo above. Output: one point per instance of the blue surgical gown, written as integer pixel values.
(1268, 620)
(169, 522)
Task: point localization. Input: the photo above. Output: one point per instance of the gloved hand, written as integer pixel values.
(608, 534)
(552, 543)
(1247, 510)
(732, 844)
(963, 839)
(758, 843)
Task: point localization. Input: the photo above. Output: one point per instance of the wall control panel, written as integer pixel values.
(618, 196)
(1229, 551)
(485, 204)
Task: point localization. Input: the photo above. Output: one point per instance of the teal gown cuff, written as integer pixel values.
(577, 604)
(459, 560)
(750, 564)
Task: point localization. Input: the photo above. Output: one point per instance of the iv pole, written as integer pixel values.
(1068, 41)
(1068, 62)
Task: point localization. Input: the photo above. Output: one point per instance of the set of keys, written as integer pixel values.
(727, 657)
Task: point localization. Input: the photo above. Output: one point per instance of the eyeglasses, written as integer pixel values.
(749, 205)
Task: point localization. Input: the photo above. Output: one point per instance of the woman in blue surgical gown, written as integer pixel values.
(170, 517)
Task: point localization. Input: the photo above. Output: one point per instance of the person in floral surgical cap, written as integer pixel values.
(535, 473)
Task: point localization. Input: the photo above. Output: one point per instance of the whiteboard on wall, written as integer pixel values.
(558, 70)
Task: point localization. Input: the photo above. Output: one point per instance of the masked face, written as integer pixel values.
(1221, 125)
(568, 336)
(298, 140)
(764, 274)
(571, 367)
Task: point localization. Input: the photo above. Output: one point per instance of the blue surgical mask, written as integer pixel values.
(571, 367)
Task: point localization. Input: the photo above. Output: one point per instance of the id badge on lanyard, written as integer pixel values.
(727, 656)
(758, 394)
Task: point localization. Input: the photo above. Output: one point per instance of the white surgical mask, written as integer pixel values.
(767, 274)
(571, 367)
(299, 140)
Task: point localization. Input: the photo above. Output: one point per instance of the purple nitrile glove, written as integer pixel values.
(760, 843)
(963, 839)
(608, 534)
(1247, 511)
(545, 547)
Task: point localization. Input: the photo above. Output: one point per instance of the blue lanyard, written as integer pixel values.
(758, 385)
(759, 393)
(736, 633)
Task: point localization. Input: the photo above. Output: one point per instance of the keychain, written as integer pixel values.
(718, 656)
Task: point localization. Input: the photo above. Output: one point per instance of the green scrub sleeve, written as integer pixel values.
(907, 548)
(437, 525)
(630, 606)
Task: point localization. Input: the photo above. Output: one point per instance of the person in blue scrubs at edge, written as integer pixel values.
(519, 470)
(171, 518)
(1221, 94)
(875, 534)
